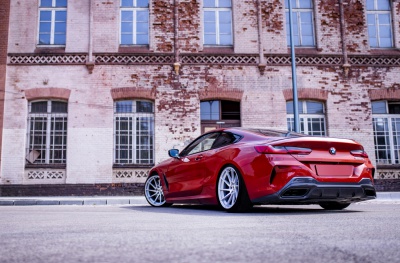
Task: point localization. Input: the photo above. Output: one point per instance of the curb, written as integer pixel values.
(122, 200)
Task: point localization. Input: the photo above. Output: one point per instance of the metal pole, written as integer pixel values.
(294, 78)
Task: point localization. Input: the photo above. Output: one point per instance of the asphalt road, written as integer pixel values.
(365, 232)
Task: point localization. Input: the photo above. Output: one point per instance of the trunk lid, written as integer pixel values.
(329, 157)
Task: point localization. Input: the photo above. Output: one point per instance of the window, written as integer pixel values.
(379, 23)
(134, 132)
(312, 117)
(218, 22)
(134, 22)
(52, 22)
(210, 141)
(386, 125)
(303, 25)
(219, 113)
(47, 132)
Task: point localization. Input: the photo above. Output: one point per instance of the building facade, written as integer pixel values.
(97, 91)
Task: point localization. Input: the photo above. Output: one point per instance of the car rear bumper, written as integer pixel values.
(307, 190)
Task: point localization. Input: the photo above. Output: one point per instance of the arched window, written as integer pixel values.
(312, 117)
(133, 132)
(219, 113)
(386, 124)
(47, 132)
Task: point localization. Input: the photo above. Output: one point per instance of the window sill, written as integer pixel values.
(133, 166)
(47, 166)
(48, 49)
(218, 49)
(133, 49)
(385, 51)
(306, 50)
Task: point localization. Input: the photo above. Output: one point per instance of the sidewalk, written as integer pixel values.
(122, 200)
(73, 200)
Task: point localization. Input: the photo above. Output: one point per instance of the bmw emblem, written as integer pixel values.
(332, 151)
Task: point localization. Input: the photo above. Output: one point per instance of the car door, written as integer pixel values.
(186, 174)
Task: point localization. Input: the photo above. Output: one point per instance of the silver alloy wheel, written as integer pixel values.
(228, 187)
(153, 191)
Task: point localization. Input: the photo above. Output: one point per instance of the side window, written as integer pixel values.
(224, 139)
(202, 144)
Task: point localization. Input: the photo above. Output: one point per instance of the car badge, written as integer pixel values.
(332, 151)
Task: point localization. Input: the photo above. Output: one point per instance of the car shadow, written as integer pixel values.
(256, 210)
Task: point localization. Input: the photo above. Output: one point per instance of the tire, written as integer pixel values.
(154, 193)
(333, 205)
(231, 191)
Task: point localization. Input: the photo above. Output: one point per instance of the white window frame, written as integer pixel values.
(53, 10)
(134, 32)
(297, 12)
(376, 12)
(132, 134)
(306, 119)
(390, 147)
(49, 146)
(217, 11)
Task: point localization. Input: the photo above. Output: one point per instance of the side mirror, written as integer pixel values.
(173, 153)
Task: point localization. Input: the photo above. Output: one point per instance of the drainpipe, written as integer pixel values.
(177, 65)
(262, 64)
(90, 62)
(346, 65)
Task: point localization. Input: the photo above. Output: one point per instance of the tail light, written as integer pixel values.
(359, 153)
(269, 149)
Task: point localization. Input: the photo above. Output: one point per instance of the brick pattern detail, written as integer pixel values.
(384, 94)
(307, 94)
(130, 175)
(388, 174)
(45, 174)
(47, 93)
(133, 93)
(221, 94)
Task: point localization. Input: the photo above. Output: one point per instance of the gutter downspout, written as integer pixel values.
(90, 62)
(346, 65)
(262, 65)
(177, 64)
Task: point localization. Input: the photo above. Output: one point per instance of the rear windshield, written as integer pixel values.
(275, 133)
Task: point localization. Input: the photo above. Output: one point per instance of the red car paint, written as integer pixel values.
(267, 162)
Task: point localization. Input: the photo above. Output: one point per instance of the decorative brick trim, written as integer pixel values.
(129, 93)
(304, 94)
(221, 94)
(384, 94)
(47, 93)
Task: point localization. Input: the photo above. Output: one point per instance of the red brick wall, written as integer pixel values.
(4, 18)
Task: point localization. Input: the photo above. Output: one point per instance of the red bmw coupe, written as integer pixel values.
(237, 168)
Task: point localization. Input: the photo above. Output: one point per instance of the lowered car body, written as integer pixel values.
(237, 168)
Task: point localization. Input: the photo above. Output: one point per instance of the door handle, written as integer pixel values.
(198, 158)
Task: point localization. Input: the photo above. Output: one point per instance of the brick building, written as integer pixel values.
(97, 91)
